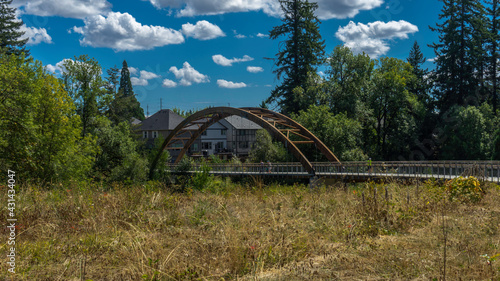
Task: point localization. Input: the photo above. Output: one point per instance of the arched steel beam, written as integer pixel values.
(265, 118)
(319, 144)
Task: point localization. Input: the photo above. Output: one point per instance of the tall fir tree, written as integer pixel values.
(455, 63)
(419, 86)
(478, 52)
(10, 33)
(492, 46)
(302, 52)
(125, 83)
(124, 105)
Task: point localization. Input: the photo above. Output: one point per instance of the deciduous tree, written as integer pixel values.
(39, 129)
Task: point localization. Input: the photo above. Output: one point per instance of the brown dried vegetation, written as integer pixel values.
(231, 231)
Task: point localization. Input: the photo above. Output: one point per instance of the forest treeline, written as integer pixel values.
(393, 109)
(77, 126)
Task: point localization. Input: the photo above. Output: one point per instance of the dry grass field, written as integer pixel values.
(248, 231)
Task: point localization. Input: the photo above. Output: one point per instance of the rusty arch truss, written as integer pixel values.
(278, 125)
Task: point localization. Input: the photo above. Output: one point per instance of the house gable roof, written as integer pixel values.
(162, 120)
(241, 123)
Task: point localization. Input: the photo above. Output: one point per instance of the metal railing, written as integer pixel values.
(485, 170)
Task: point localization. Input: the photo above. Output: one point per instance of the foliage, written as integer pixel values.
(466, 189)
(118, 159)
(496, 145)
(125, 82)
(302, 52)
(125, 105)
(161, 170)
(83, 81)
(10, 31)
(264, 149)
(338, 132)
(395, 109)
(419, 86)
(492, 45)
(348, 82)
(466, 134)
(39, 130)
(202, 178)
(457, 60)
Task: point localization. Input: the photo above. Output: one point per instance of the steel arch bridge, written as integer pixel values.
(278, 125)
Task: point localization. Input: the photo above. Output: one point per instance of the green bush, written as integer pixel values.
(202, 178)
(465, 189)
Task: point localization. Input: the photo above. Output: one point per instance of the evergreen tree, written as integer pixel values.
(125, 83)
(493, 66)
(124, 105)
(10, 35)
(455, 65)
(478, 52)
(419, 87)
(303, 51)
(112, 80)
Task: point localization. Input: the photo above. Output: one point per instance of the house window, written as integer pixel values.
(155, 134)
(223, 132)
(194, 147)
(242, 132)
(206, 145)
(219, 146)
(243, 144)
(145, 134)
(204, 133)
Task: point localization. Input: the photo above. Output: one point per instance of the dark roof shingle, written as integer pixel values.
(162, 120)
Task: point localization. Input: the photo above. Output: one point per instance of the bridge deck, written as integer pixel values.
(487, 170)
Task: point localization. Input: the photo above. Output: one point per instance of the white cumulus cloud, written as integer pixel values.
(327, 9)
(230, 85)
(143, 79)
(36, 35)
(187, 75)
(133, 70)
(189, 8)
(372, 38)
(254, 69)
(167, 83)
(341, 9)
(121, 32)
(202, 30)
(58, 68)
(221, 60)
(137, 81)
(78, 9)
(262, 35)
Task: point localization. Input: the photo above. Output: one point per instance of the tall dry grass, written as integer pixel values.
(253, 232)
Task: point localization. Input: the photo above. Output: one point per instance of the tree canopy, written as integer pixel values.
(11, 41)
(302, 52)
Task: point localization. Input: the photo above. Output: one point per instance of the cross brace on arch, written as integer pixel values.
(278, 125)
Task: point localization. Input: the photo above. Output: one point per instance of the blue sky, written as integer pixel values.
(199, 53)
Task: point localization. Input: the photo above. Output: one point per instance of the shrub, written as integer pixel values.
(465, 189)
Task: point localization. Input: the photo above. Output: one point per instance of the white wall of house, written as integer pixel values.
(214, 139)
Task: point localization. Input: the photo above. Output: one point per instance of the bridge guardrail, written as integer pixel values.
(487, 170)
